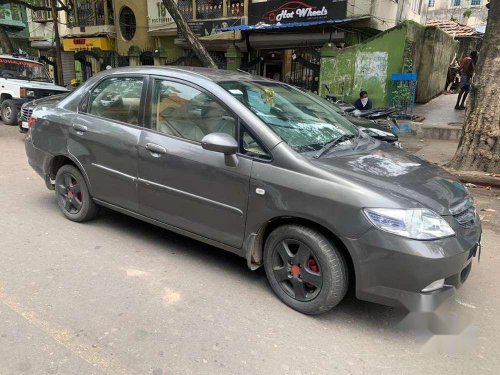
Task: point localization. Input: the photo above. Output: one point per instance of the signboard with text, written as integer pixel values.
(275, 11)
(204, 28)
(158, 16)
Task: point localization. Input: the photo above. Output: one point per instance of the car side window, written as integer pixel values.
(183, 111)
(251, 147)
(117, 98)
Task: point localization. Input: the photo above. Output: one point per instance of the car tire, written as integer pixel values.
(72, 195)
(305, 270)
(9, 112)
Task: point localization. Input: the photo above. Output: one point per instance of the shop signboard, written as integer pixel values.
(158, 17)
(204, 28)
(276, 11)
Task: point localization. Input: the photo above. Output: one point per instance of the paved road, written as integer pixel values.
(116, 296)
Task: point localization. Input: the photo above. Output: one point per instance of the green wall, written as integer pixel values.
(437, 51)
(369, 65)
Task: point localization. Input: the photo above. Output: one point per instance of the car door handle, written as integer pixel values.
(80, 128)
(156, 149)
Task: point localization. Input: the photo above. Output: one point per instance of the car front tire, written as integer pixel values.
(305, 270)
(9, 112)
(72, 194)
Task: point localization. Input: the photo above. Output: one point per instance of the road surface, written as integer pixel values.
(118, 296)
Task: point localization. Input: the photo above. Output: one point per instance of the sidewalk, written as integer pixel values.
(441, 119)
(436, 138)
(441, 111)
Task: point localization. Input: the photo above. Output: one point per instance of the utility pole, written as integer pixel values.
(59, 72)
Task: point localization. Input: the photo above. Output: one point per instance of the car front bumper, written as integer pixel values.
(393, 270)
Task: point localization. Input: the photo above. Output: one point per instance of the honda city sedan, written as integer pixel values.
(265, 171)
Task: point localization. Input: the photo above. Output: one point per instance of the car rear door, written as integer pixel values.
(180, 183)
(105, 135)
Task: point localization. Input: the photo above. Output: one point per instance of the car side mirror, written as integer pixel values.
(223, 143)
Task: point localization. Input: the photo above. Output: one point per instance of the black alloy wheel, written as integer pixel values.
(72, 194)
(297, 270)
(69, 193)
(305, 269)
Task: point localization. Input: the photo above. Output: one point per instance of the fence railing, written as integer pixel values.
(211, 9)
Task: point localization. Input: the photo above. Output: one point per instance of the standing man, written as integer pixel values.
(466, 70)
(363, 103)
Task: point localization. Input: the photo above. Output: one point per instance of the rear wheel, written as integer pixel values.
(73, 196)
(305, 270)
(9, 112)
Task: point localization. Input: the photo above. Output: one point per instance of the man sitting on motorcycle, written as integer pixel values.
(363, 103)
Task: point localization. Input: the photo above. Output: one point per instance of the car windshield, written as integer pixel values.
(304, 123)
(22, 69)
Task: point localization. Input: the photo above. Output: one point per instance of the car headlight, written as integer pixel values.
(24, 92)
(417, 223)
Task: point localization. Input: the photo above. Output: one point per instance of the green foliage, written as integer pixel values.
(408, 57)
(467, 13)
(401, 97)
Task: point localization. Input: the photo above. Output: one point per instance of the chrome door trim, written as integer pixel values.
(115, 172)
(191, 196)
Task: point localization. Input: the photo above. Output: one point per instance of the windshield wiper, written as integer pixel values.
(327, 147)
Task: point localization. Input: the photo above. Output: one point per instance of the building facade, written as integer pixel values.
(14, 20)
(466, 12)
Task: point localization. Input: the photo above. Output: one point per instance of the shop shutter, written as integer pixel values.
(68, 65)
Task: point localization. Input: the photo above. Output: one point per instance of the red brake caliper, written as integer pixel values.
(311, 263)
(313, 266)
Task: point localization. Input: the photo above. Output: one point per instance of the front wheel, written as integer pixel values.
(73, 195)
(9, 112)
(304, 269)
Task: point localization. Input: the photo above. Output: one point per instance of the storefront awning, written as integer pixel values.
(264, 27)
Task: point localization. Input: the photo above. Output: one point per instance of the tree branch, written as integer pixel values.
(33, 7)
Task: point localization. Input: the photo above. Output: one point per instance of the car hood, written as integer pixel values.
(53, 99)
(37, 85)
(392, 171)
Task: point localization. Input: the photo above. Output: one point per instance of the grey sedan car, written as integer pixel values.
(265, 171)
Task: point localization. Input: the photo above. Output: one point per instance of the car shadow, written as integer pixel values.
(364, 315)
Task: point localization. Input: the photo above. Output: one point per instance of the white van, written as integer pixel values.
(22, 80)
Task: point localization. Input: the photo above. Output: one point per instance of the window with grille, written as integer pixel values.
(127, 23)
(455, 3)
(475, 2)
(42, 15)
(91, 12)
(432, 3)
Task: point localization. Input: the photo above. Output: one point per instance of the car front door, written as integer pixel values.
(180, 183)
(104, 139)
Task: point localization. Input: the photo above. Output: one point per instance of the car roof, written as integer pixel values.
(215, 75)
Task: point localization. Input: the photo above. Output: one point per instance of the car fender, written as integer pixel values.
(6, 90)
(75, 161)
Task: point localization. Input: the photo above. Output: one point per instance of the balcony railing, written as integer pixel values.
(93, 13)
(42, 15)
(211, 9)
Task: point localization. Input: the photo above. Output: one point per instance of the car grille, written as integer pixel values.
(26, 113)
(465, 213)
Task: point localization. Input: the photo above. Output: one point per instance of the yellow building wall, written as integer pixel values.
(141, 38)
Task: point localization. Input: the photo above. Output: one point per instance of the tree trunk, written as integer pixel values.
(188, 34)
(59, 72)
(479, 146)
(5, 42)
